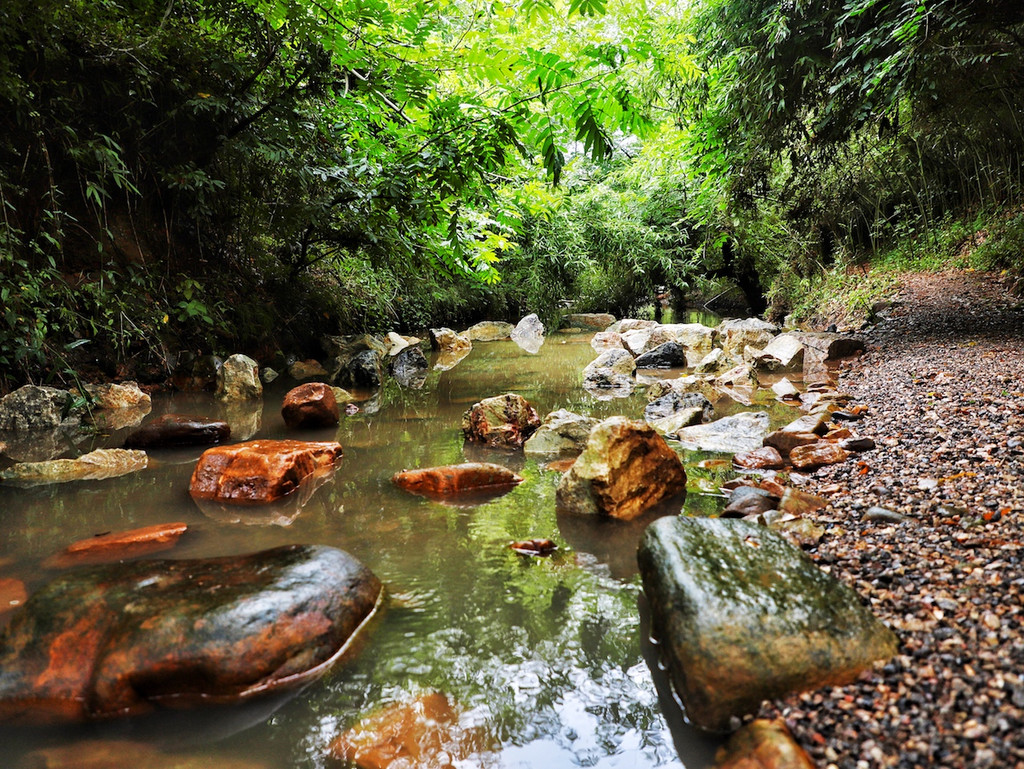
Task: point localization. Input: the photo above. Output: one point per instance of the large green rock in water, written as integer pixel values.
(125, 639)
(743, 616)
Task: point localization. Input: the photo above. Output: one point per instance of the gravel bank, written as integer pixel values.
(944, 382)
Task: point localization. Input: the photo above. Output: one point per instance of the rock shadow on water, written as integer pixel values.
(282, 512)
(612, 541)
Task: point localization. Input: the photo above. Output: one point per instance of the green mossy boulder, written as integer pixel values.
(743, 616)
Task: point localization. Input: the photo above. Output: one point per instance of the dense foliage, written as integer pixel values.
(247, 174)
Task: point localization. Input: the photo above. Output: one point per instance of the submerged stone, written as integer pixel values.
(126, 639)
(170, 430)
(113, 546)
(425, 732)
(454, 480)
(106, 754)
(94, 466)
(744, 616)
(409, 367)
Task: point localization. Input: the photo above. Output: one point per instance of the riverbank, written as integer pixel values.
(943, 378)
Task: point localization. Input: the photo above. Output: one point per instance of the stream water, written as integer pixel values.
(544, 655)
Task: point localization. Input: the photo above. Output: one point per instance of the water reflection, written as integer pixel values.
(544, 652)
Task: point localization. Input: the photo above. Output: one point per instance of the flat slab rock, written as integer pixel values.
(113, 546)
(94, 466)
(744, 616)
(455, 480)
(126, 639)
(260, 471)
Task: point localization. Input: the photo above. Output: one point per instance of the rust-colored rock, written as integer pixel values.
(114, 546)
(310, 405)
(797, 502)
(453, 480)
(785, 442)
(764, 458)
(171, 430)
(560, 465)
(762, 744)
(534, 547)
(126, 639)
(626, 469)
(260, 471)
(12, 593)
(817, 455)
(425, 732)
(504, 421)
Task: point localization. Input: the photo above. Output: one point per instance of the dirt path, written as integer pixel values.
(944, 382)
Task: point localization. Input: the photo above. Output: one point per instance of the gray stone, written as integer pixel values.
(348, 345)
(738, 376)
(615, 361)
(675, 401)
(785, 390)
(783, 353)
(238, 379)
(94, 466)
(117, 396)
(740, 432)
(446, 340)
(694, 336)
(598, 320)
(607, 340)
(743, 616)
(749, 500)
(489, 331)
(35, 408)
(529, 334)
(737, 335)
(671, 425)
(409, 367)
(363, 371)
(561, 432)
(635, 340)
(712, 363)
(668, 355)
(883, 515)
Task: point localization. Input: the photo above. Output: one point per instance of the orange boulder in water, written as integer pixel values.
(260, 471)
(453, 480)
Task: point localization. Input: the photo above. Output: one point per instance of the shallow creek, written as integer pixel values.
(544, 654)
